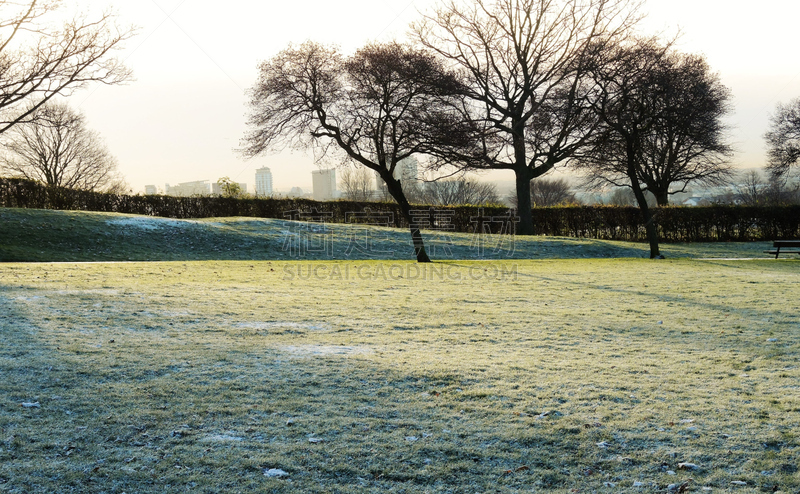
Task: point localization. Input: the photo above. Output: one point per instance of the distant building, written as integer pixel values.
(263, 182)
(296, 192)
(324, 182)
(406, 171)
(186, 189)
(150, 190)
(696, 201)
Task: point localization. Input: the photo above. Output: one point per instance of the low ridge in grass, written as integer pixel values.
(50, 236)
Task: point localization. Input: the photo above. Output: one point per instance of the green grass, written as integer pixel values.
(42, 236)
(176, 376)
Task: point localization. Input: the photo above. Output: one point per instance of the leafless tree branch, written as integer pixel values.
(39, 60)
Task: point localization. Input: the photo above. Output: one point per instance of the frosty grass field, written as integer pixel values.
(597, 373)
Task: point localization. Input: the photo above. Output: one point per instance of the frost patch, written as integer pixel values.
(151, 223)
(96, 291)
(144, 222)
(324, 350)
(222, 438)
(177, 313)
(283, 325)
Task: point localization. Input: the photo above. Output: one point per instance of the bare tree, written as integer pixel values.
(644, 95)
(548, 192)
(40, 60)
(357, 183)
(458, 192)
(56, 148)
(753, 190)
(750, 190)
(552, 192)
(622, 196)
(383, 104)
(783, 138)
(789, 191)
(684, 140)
(527, 66)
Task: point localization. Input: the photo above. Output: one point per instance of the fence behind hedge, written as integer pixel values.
(676, 224)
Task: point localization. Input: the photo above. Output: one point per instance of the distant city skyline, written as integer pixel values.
(325, 188)
(184, 115)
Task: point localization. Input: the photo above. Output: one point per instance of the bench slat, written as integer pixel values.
(782, 246)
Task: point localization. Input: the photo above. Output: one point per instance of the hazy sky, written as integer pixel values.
(183, 116)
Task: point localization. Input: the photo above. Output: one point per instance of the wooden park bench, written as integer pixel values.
(784, 244)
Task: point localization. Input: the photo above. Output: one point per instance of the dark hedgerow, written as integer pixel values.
(676, 224)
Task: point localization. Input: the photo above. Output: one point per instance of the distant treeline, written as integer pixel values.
(676, 224)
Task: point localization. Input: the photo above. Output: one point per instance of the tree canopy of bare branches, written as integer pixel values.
(526, 65)
(377, 107)
(672, 115)
(548, 192)
(660, 123)
(630, 104)
(752, 190)
(39, 60)
(452, 192)
(552, 192)
(357, 184)
(783, 138)
(56, 148)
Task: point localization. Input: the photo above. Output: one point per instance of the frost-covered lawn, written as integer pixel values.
(370, 376)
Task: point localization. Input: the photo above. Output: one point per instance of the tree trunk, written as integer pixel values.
(396, 190)
(525, 226)
(419, 246)
(647, 216)
(662, 197)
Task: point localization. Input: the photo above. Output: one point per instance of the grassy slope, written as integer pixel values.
(38, 235)
(163, 377)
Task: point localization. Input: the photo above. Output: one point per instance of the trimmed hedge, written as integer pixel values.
(676, 224)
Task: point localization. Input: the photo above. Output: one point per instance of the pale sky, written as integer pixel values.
(184, 115)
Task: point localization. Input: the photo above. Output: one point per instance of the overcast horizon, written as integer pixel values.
(182, 117)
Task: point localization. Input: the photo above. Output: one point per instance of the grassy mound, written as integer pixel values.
(44, 235)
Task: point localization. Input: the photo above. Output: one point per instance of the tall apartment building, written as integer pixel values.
(324, 182)
(263, 182)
